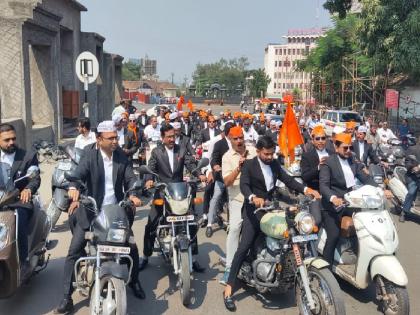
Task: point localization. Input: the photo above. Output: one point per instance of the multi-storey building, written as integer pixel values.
(280, 63)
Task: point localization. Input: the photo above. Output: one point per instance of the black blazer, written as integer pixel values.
(332, 181)
(309, 167)
(159, 164)
(130, 143)
(272, 135)
(140, 121)
(186, 131)
(185, 143)
(368, 153)
(205, 134)
(91, 172)
(252, 181)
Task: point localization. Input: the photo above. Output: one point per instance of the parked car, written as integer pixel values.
(155, 109)
(334, 118)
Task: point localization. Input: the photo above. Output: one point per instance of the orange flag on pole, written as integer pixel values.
(180, 103)
(289, 135)
(190, 105)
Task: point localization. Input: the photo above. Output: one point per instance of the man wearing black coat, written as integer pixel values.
(143, 119)
(362, 149)
(107, 173)
(412, 178)
(167, 161)
(337, 177)
(258, 181)
(210, 132)
(15, 163)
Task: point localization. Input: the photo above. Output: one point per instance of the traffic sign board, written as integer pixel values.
(87, 67)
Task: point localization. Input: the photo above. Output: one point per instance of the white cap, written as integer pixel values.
(107, 126)
(132, 117)
(338, 129)
(222, 113)
(117, 118)
(137, 115)
(272, 123)
(278, 123)
(302, 122)
(312, 125)
(176, 125)
(173, 116)
(362, 129)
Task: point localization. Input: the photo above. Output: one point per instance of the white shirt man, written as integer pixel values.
(268, 175)
(348, 173)
(251, 135)
(152, 133)
(109, 197)
(385, 135)
(121, 138)
(170, 153)
(82, 140)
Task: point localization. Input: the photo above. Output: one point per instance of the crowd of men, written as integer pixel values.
(245, 168)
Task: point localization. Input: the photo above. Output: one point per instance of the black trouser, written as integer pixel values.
(24, 215)
(151, 228)
(250, 232)
(208, 193)
(76, 250)
(332, 224)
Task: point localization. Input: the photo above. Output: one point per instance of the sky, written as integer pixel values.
(181, 33)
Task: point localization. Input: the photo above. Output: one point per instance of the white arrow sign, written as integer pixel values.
(87, 67)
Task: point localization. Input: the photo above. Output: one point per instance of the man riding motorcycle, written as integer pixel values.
(14, 163)
(258, 181)
(168, 161)
(107, 173)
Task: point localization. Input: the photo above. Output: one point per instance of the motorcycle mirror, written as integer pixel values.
(32, 171)
(203, 163)
(145, 170)
(71, 176)
(44, 144)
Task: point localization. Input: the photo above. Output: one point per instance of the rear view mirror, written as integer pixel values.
(32, 171)
(203, 163)
(145, 170)
(71, 176)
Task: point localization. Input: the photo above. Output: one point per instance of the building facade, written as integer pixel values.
(148, 69)
(280, 63)
(39, 88)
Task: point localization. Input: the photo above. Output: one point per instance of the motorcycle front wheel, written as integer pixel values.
(325, 291)
(184, 277)
(397, 301)
(112, 297)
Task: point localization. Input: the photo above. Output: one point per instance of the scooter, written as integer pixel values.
(39, 227)
(366, 250)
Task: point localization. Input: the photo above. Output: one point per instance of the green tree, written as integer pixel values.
(228, 73)
(341, 7)
(258, 85)
(130, 71)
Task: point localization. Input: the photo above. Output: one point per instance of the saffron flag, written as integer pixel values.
(289, 135)
(190, 105)
(180, 103)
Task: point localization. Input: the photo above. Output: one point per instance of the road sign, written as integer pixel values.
(87, 67)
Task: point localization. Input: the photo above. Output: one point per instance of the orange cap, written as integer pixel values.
(262, 116)
(236, 115)
(185, 114)
(236, 131)
(344, 138)
(318, 131)
(350, 125)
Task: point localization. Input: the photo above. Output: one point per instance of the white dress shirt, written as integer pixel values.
(212, 131)
(143, 120)
(268, 175)
(385, 135)
(7, 158)
(186, 128)
(121, 140)
(170, 153)
(250, 135)
(361, 150)
(109, 197)
(348, 173)
(82, 141)
(152, 133)
(322, 153)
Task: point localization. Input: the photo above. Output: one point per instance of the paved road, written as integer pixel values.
(45, 290)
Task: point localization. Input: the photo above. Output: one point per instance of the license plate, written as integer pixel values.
(64, 166)
(304, 238)
(180, 218)
(113, 249)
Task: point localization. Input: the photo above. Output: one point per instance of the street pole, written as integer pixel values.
(86, 104)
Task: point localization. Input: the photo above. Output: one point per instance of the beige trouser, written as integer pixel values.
(235, 225)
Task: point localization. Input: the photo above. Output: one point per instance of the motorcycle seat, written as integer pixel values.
(347, 227)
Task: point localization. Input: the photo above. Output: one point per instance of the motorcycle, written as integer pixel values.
(59, 185)
(280, 260)
(366, 250)
(39, 227)
(173, 235)
(102, 273)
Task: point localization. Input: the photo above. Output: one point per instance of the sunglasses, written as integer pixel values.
(320, 138)
(132, 120)
(347, 148)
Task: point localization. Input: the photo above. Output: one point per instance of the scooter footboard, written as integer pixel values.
(390, 268)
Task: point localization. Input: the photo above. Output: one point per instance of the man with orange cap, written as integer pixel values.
(186, 125)
(350, 128)
(337, 176)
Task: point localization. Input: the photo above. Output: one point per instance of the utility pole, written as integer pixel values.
(172, 77)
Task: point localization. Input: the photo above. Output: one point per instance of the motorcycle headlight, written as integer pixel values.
(373, 202)
(304, 222)
(378, 179)
(3, 235)
(391, 158)
(116, 236)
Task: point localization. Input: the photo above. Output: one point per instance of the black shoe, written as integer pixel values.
(204, 223)
(220, 221)
(143, 263)
(137, 290)
(197, 268)
(402, 217)
(229, 304)
(65, 307)
(209, 232)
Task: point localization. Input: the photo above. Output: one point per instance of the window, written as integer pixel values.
(298, 40)
(275, 63)
(286, 63)
(293, 52)
(279, 63)
(284, 86)
(275, 75)
(275, 85)
(280, 51)
(279, 75)
(284, 52)
(288, 51)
